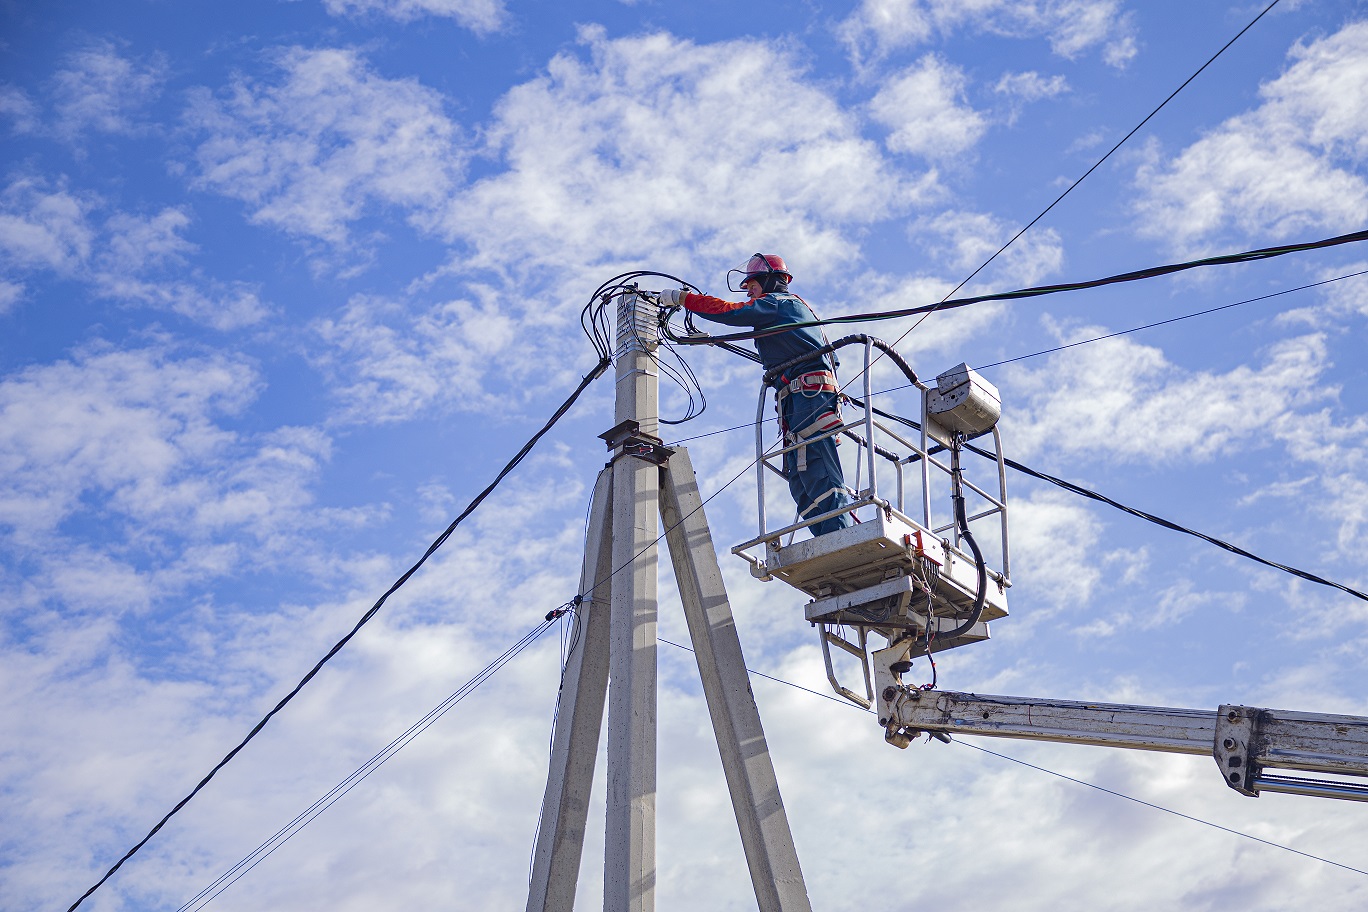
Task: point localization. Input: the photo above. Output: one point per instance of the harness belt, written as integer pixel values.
(811, 383)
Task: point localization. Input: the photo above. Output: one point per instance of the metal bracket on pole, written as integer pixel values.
(628, 439)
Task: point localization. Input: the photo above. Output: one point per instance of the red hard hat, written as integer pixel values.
(760, 264)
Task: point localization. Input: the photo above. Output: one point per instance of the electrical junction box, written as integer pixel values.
(964, 403)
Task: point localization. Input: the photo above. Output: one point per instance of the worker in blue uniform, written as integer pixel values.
(807, 393)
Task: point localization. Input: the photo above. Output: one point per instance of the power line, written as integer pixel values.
(479, 499)
(1119, 144)
(337, 647)
(1159, 807)
(1168, 524)
(337, 792)
(1059, 348)
(1200, 313)
(1085, 174)
(1245, 256)
(1051, 772)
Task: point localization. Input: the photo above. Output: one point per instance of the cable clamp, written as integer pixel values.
(564, 609)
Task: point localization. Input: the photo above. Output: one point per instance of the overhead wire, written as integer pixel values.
(593, 320)
(1168, 524)
(338, 791)
(1178, 319)
(688, 381)
(597, 320)
(564, 407)
(1245, 256)
(1068, 345)
(267, 848)
(1097, 164)
(1122, 141)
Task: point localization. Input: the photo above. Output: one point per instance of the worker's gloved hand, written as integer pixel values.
(670, 297)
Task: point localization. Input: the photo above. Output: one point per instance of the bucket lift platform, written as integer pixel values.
(888, 573)
(916, 583)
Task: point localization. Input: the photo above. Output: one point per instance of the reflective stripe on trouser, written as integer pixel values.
(816, 482)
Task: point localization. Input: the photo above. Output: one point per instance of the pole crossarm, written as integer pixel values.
(1244, 740)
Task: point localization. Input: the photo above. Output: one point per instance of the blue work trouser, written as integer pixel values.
(812, 488)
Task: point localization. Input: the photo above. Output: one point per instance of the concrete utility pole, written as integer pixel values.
(617, 640)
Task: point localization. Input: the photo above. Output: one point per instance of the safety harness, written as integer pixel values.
(808, 385)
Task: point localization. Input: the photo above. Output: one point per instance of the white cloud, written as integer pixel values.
(200, 675)
(1031, 86)
(140, 259)
(101, 91)
(131, 259)
(1289, 166)
(924, 107)
(328, 143)
(1054, 546)
(44, 227)
(964, 240)
(137, 243)
(386, 364)
(223, 306)
(136, 436)
(1107, 397)
(1071, 26)
(1349, 296)
(1164, 610)
(15, 104)
(657, 145)
(480, 16)
(11, 293)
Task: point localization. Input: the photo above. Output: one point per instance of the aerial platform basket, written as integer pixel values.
(922, 583)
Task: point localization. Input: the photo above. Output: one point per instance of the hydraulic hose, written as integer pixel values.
(982, 593)
(773, 373)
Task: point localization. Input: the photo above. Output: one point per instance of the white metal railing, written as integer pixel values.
(870, 426)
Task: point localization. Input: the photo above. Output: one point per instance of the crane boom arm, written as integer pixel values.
(1245, 741)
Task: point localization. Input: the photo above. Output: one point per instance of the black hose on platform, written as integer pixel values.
(982, 593)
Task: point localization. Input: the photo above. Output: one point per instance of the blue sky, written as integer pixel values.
(285, 283)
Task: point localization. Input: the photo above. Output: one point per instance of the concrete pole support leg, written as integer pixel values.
(765, 833)
(584, 686)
